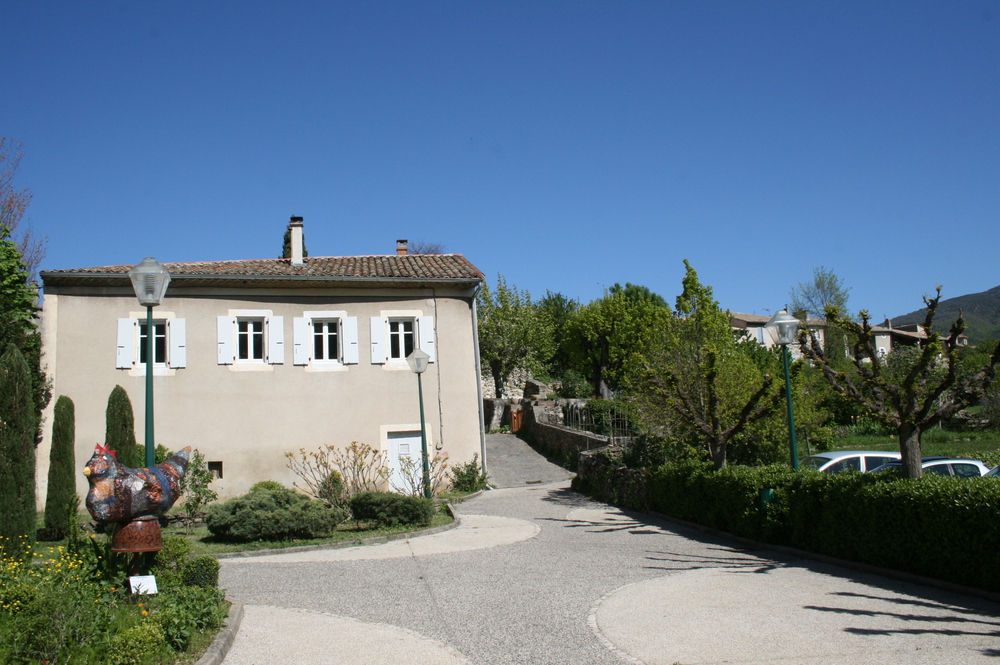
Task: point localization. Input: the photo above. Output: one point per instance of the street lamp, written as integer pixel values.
(417, 360)
(149, 279)
(782, 327)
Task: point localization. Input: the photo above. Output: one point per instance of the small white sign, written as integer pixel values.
(144, 584)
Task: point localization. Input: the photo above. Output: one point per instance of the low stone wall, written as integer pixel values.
(600, 475)
(556, 441)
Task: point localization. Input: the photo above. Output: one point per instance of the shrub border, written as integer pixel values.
(891, 573)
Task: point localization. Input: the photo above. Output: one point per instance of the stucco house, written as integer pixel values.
(253, 359)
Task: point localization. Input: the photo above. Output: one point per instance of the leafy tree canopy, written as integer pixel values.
(514, 334)
(825, 290)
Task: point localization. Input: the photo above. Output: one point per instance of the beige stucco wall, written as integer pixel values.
(248, 420)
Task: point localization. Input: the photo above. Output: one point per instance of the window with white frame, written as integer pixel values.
(250, 337)
(325, 340)
(169, 343)
(394, 337)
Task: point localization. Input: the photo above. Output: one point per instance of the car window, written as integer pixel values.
(871, 461)
(846, 464)
(966, 470)
(939, 469)
(814, 462)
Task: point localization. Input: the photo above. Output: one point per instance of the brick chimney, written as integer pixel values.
(295, 226)
(401, 247)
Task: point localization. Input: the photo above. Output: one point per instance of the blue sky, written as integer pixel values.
(567, 145)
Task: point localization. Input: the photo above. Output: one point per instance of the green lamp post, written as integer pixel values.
(149, 279)
(417, 360)
(782, 327)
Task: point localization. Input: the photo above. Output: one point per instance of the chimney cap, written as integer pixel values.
(401, 247)
(295, 220)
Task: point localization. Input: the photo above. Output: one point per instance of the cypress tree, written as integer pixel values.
(62, 469)
(119, 433)
(17, 454)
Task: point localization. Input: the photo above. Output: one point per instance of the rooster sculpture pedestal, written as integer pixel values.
(139, 535)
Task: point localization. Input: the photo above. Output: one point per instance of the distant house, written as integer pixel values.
(754, 324)
(253, 359)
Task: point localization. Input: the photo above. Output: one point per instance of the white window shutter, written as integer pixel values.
(177, 334)
(300, 340)
(225, 325)
(276, 340)
(425, 328)
(349, 329)
(125, 351)
(378, 329)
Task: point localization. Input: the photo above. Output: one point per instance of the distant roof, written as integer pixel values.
(760, 318)
(412, 269)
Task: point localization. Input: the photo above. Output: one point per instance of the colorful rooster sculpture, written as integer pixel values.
(118, 493)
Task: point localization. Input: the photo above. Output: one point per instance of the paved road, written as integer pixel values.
(539, 574)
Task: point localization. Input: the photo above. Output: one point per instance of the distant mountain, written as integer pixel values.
(982, 315)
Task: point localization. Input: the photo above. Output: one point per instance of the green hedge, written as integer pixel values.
(389, 509)
(272, 514)
(936, 526)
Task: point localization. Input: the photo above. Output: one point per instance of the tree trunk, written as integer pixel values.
(497, 380)
(909, 446)
(718, 450)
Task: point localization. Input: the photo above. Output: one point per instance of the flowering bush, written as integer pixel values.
(75, 608)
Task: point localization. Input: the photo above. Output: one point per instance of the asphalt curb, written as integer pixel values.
(903, 576)
(217, 650)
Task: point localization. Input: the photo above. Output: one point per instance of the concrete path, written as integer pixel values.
(539, 574)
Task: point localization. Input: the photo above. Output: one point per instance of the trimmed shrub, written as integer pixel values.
(168, 563)
(201, 571)
(62, 469)
(134, 645)
(469, 477)
(119, 430)
(17, 454)
(388, 509)
(272, 514)
(267, 485)
(934, 526)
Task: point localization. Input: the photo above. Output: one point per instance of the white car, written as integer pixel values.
(946, 466)
(836, 461)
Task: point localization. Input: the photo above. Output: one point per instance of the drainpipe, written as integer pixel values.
(479, 377)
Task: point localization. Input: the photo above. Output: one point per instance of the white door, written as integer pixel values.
(404, 446)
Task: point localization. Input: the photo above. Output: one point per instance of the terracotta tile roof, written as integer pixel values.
(391, 268)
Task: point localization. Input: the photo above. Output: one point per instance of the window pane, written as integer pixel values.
(318, 341)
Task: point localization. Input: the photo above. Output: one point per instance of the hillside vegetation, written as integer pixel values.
(982, 315)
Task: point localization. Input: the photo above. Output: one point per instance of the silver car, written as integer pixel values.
(836, 461)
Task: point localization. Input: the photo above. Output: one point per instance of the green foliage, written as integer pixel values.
(558, 309)
(267, 485)
(168, 563)
(196, 486)
(201, 571)
(389, 509)
(69, 610)
(62, 469)
(136, 644)
(273, 514)
(469, 477)
(605, 340)
(611, 417)
(913, 388)
(17, 454)
(119, 433)
(825, 290)
(704, 385)
(188, 610)
(880, 519)
(514, 334)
